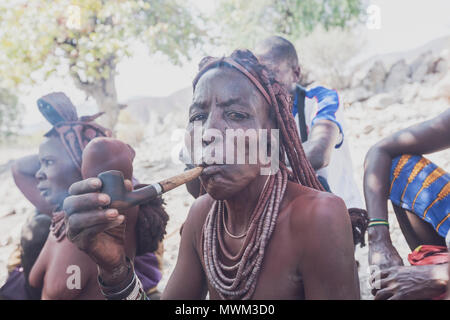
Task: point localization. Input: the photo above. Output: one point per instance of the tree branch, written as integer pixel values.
(85, 86)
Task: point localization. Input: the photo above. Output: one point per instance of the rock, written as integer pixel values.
(421, 66)
(6, 241)
(398, 75)
(382, 100)
(6, 166)
(374, 79)
(429, 92)
(359, 94)
(409, 92)
(368, 129)
(10, 213)
(443, 88)
(441, 66)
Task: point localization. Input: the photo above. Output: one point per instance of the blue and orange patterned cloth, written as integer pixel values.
(421, 187)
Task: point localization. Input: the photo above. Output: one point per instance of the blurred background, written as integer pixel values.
(135, 60)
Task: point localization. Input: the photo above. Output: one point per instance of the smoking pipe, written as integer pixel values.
(114, 186)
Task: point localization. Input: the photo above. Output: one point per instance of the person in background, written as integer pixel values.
(321, 124)
(44, 179)
(419, 192)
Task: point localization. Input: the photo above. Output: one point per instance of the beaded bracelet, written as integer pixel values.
(129, 289)
(378, 222)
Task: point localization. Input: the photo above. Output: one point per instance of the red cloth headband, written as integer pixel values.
(240, 68)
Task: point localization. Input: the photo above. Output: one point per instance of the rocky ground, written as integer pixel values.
(382, 100)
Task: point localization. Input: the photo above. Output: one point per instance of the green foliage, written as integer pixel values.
(247, 21)
(90, 36)
(9, 110)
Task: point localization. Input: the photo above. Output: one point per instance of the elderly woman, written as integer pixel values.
(251, 236)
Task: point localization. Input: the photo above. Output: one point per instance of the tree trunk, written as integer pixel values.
(105, 95)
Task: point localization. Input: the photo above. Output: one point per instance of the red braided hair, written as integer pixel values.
(280, 108)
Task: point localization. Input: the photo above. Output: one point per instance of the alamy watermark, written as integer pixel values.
(211, 146)
(74, 279)
(73, 14)
(373, 17)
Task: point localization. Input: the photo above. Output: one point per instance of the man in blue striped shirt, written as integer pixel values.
(319, 118)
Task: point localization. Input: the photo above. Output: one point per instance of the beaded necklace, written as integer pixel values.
(247, 262)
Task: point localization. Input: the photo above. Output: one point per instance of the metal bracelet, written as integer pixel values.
(132, 289)
(137, 293)
(123, 289)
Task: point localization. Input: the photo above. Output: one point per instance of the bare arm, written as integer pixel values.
(188, 280)
(427, 137)
(321, 142)
(329, 267)
(24, 171)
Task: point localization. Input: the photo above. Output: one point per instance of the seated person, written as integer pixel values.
(33, 237)
(251, 236)
(52, 180)
(321, 124)
(319, 118)
(418, 190)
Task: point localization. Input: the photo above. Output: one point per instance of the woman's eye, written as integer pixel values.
(198, 117)
(49, 162)
(237, 115)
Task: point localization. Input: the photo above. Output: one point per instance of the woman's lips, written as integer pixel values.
(213, 169)
(44, 191)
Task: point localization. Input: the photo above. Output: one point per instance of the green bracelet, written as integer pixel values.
(378, 222)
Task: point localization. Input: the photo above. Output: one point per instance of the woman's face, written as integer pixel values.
(225, 99)
(57, 172)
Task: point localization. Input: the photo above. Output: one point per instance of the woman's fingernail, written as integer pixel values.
(112, 213)
(103, 198)
(95, 183)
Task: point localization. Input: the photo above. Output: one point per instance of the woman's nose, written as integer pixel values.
(212, 128)
(40, 175)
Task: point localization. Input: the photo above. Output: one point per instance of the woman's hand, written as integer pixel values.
(382, 253)
(411, 282)
(95, 229)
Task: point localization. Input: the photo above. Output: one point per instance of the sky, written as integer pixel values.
(396, 25)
